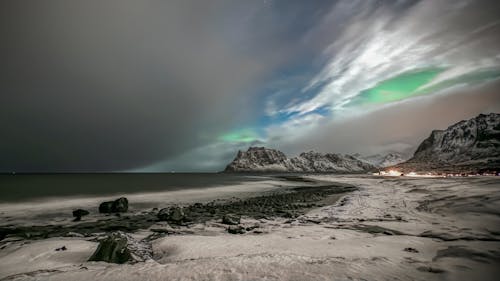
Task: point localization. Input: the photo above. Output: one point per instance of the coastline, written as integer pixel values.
(388, 228)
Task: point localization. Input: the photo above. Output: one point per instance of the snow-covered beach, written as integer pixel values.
(389, 229)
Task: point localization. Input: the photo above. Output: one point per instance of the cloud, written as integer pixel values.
(399, 126)
(380, 42)
(181, 85)
(116, 85)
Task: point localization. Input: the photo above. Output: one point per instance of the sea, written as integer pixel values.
(27, 187)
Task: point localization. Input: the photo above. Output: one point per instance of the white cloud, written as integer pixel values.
(378, 44)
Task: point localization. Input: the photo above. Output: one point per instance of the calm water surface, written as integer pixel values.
(21, 187)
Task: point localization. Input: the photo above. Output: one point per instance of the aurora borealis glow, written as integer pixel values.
(163, 85)
(399, 87)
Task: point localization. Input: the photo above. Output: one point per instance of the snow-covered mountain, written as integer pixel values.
(384, 160)
(467, 145)
(261, 159)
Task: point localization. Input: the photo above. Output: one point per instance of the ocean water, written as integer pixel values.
(24, 187)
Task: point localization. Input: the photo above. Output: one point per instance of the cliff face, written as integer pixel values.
(261, 159)
(473, 143)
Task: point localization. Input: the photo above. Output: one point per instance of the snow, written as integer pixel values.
(463, 209)
(42, 255)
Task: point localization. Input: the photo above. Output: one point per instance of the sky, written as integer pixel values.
(160, 86)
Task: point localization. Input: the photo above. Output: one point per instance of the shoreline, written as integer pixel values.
(388, 228)
(285, 201)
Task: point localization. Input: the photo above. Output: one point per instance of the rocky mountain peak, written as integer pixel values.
(468, 143)
(261, 159)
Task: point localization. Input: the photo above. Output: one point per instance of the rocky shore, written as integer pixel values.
(288, 203)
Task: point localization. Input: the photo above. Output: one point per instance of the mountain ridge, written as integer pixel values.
(261, 159)
(466, 146)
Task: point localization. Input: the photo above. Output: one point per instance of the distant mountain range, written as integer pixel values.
(261, 159)
(467, 146)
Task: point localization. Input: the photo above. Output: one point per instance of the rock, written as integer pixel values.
(119, 247)
(410, 250)
(236, 229)
(106, 207)
(231, 219)
(79, 213)
(430, 269)
(120, 205)
(113, 249)
(173, 215)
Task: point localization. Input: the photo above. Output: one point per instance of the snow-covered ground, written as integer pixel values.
(450, 229)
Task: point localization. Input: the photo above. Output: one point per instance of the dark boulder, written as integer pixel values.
(173, 215)
(120, 205)
(106, 207)
(231, 219)
(119, 247)
(79, 213)
(113, 249)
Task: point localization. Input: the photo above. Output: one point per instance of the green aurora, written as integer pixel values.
(244, 135)
(412, 83)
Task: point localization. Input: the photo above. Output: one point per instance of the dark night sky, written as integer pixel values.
(182, 85)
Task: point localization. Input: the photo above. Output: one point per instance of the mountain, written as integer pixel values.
(383, 160)
(467, 146)
(261, 159)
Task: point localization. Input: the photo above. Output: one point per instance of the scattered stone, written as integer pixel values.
(236, 229)
(410, 250)
(174, 215)
(63, 248)
(430, 269)
(231, 219)
(120, 205)
(79, 213)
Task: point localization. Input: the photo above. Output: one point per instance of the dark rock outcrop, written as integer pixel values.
(119, 247)
(120, 205)
(113, 249)
(79, 213)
